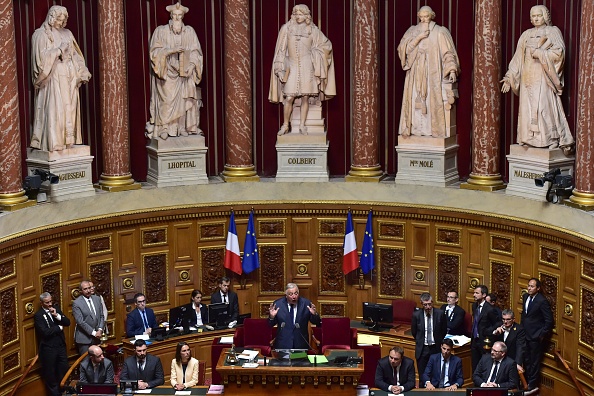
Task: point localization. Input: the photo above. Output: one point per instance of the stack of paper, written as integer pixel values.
(367, 339)
(216, 389)
(226, 340)
(248, 354)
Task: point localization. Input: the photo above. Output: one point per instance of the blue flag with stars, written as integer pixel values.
(367, 261)
(251, 260)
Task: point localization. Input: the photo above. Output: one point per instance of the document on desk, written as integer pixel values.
(143, 391)
(318, 359)
(367, 339)
(459, 340)
(226, 340)
(248, 354)
(183, 392)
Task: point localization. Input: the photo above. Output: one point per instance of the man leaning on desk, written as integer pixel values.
(395, 373)
(145, 368)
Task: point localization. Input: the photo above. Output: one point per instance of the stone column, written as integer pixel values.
(113, 90)
(365, 166)
(12, 195)
(238, 94)
(486, 95)
(583, 193)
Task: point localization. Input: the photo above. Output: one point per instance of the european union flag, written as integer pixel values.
(367, 261)
(251, 260)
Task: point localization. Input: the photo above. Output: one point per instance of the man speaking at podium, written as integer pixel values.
(291, 314)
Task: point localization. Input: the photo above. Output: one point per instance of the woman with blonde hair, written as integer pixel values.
(184, 368)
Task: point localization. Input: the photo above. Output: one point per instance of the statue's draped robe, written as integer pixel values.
(536, 75)
(426, 65)
(175, 99)
(57, 77)
(304, 55)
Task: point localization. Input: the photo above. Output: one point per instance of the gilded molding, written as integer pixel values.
(568, 310)
(587, 269)
(447, 274)
(155, 286)
(11, 362)
(50, 255)
(549, 255)
(394, 230)
(448, 236)
(503, 244)
(269, 227)
(153, 236)
(334, 228)
(184, 276)
(214, 231)
(127, 283)
(99, 244)
(7, 269)
(29, 308)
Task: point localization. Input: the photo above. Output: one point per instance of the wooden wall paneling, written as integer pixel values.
(184, 242)
(98, 245)
(391, 274)
(448, 236)
(126, 247)
(212, 231)
(357, 296)
(332, 308)
(476, 253)
(550, 289)
(51, 282)
(331, 278)
(75, 254)
(502, 277)
(587, 270)
(570, 271)
(10, 317)
(274, 272)
(30, 347)
(182, 296)
(211, 267)
(28, 267)
(50, 254)
(501, 244)
(586, 321)
(155, 277)
(300, 237)
(419, 242)
(447, 275)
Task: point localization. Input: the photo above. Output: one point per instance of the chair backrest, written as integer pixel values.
(336, 331)
(256, 332)
(402, 311)
(468, 324)
(201, 372)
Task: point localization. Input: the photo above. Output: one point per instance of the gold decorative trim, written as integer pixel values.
(320, 283)
(146, 230)
(13, 273)
(510, 265)
(378, 252)
(11, 202)
(184, 276)
(580, 324)
(581, 200)
(90, 239)
(439, 229)
(240, 174)
(419, 276)
(302, 269)
(568, 310)
(473, 283)
(582, 273)
(143, 257)
(75, 293)
(284, 267)
(509, 238)
(522, 292)
(437, 275)
(373, 174)
(16, 314)
(16, 367)
(214, 238)
(48, 248)
(127, 283)
(579, 365)
(282, 221)
(29, 308)
(328, 220)
(484, 183)
(117, 183)
(543, 260)
(381, 223)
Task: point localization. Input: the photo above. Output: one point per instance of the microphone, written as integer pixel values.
(298, 327)
(282, 326)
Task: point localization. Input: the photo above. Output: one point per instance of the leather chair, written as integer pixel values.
(201, 372)
(255, 333)
(402, 311)
(337, 334)
(468, 324)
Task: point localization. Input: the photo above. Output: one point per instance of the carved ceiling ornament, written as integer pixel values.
(391, 272)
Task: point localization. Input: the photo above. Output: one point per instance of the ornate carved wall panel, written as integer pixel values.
(273, 277)
(586, 365)
(101, 273)
(332, 308)
(10, 317)
(215, 231)
(332, 227)
(7, 269)
(99, 245)
(550, 289)
(549, 255)
(390, 274)
(156, 278)
(447, 275)
(11, 362)
(275, 228)
(448, 236)
(503, 244)
(391, 230)
(586, 325)
(184, 244)
(49, 255)
(331, 276)
(211, 268)
(52, 283)
(502, 283)
(154, 236)
(588, 268)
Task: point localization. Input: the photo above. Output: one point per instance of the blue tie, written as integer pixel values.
(146, 326)
(292, 313)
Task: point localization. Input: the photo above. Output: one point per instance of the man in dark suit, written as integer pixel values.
(395, 373)
(145, 368)
(455, 315)
(291, 314)
(428, 327)
(49, 324)
(95, 368)
(195, 313)
(443, 369)
(225, 295)
(496, 370)
(513, 335)
(142, 319)
(484, 321)
(492, 299)
(537, 319)
(89, 317)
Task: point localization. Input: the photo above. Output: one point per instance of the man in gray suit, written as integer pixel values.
(89, 317)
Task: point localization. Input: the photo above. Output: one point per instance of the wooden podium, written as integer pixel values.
(322, 379)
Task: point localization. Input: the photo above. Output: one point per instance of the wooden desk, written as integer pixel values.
(285, 380)
(199, 343)
(418, 392)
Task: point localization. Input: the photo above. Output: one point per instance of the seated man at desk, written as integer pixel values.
(195, 314)
(145, 368)
(142, 319)
(95, 368)
(443, 370)
(395, 373)
(496, 370)
(224, 295)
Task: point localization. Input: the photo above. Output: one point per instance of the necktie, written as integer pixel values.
(292, 313)
(96, 374)
(430, 330)
(225, 298)
(51, 319)
(143, 314)
(141, 369)
(91, 307)
(477, 313)
(494, 375)
(442, 375)
(528, 302)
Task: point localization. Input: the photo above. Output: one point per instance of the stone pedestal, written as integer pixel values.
(73, 168)
(302, 157)
(177, 161)
(427, 161)
(528, 163)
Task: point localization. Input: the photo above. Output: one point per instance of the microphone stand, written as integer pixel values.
(298, 327)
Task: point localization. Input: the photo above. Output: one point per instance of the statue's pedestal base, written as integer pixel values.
(427, 161)
(177, 161)
(302, 158)
(72, 166)
(528, 163)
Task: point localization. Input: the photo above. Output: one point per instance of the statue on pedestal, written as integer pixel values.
(536, 75)
(303, 67)
(176, 65)
(58, 68)
(428, 55)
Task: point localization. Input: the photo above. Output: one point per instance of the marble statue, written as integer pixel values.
(428, 55)
(176, 65)
(536, 75)
(303, 67)
(58, 68)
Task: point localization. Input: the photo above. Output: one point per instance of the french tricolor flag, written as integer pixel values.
(350, 260)
(232, 258)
